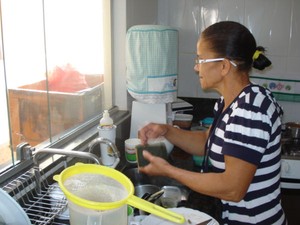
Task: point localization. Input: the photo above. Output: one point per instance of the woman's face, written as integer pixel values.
(210, 72)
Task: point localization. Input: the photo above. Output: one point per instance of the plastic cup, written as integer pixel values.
(130, 149)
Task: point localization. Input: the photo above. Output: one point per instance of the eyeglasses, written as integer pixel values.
(201, 61)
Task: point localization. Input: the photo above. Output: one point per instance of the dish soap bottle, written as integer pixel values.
(107, 130)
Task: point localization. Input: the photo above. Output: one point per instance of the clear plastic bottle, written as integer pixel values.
(106, 120)
(107, 130)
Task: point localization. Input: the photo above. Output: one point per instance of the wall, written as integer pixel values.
(118, 53)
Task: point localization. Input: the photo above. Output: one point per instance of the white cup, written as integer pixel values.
(130, 149)
(107, 154)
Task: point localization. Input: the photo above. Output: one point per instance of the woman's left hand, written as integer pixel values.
(156, 167)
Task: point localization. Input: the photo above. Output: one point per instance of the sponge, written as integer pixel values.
(156, 149)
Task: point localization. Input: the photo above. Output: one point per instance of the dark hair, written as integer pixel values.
(234, 41)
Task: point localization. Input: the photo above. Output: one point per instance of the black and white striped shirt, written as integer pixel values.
(250, 129)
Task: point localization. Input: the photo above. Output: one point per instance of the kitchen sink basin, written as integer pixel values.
(140, 179)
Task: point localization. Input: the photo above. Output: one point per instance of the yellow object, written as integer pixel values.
(256, 54)
(130, 199)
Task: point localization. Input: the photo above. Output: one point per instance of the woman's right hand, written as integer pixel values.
(152, 131)
(192, 142)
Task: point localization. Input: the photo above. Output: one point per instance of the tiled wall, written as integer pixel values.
(274, 23)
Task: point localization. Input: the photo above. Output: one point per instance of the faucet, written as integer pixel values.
(78, 154)
(114, 148)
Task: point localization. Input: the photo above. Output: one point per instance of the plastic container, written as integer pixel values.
(206, 122)
(184, 121)
(107, 129)
(171, 197)
(80, 215)
(100, 196)
(106, 120)
(130, 149)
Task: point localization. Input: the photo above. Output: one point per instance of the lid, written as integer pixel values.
(106, 120)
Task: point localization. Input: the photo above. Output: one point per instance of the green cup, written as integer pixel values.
(130, 149)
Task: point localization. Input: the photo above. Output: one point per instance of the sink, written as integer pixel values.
(145, 185)
(139, 179)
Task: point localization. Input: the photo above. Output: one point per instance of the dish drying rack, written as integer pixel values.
(44, 203)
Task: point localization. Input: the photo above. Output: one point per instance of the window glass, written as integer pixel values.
(52, 69)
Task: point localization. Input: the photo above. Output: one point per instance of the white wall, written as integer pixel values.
(118, 45)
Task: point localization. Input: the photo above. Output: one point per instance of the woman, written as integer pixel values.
(243, 144)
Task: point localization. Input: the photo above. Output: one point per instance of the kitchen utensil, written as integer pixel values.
(152, 193)
(145, 196)
(161, 139)
(144, 191)
(140, 190)
(155, 196)
(104, 190)
(171, 196)
(156, 149)
(11, 212)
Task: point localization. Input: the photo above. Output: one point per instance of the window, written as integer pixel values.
(55, 69)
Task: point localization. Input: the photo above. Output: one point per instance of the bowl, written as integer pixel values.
(184, 121)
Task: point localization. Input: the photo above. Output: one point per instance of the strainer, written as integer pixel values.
(102, 188)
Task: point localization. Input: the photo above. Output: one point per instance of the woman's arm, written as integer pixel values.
(231, 185)
(192, 142)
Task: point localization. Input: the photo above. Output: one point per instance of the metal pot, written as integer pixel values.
(140, 190)
(292, 129)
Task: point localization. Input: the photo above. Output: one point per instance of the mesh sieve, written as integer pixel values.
(95, 187)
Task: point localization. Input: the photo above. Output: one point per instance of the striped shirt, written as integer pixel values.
(250, 129)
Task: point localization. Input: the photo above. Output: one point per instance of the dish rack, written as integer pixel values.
(44, 203)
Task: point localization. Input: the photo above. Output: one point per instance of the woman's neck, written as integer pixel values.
(232, 88)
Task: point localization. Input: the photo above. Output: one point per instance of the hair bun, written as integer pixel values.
(260, 61)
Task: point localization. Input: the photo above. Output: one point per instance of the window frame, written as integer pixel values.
(69, 137)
